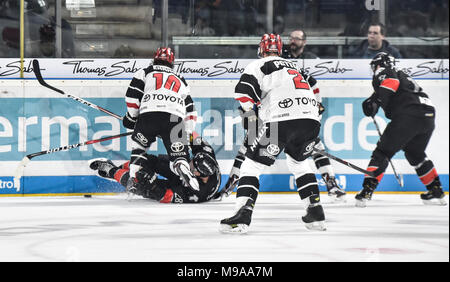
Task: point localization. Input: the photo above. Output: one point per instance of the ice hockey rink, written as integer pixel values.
(393, 227)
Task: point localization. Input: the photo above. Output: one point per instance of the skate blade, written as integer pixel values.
(435, 202)
(361, 203)
(317, 225)
(235, 229)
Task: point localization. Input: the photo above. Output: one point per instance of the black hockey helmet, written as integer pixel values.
(382, 59)
(204, 164)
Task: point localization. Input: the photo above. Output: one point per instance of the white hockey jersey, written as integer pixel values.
(159, 89)
(279, 89)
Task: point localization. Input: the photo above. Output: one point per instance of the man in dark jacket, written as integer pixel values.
(296, 47)
(376, 43)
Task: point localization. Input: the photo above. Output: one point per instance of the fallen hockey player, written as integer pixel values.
(171, 189)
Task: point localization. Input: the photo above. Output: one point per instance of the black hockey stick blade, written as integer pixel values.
(323, 153)
(37, 73)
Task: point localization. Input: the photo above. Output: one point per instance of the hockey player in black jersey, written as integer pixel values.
(412, 123)
(290, 122)
(159, 106)
(170, 188)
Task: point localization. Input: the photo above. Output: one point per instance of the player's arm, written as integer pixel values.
(191, 115)
(386, 84)
(133, 98)
(248, 91)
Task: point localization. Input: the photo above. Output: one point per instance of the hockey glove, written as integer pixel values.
(128, 121)
(370, 107)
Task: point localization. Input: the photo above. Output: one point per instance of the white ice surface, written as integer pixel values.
(394, 227)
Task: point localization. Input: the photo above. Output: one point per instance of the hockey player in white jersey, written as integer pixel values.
(322, 163)
(290, 115)
(159, 105)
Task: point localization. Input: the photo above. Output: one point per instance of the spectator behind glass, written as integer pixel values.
(47, 36)
(375, 43)
(296, 47)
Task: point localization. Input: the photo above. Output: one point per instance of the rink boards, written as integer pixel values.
(34, 118)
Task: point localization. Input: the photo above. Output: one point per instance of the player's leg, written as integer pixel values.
(260, 154)
(298, 150)
(325, 168)
(176, 142)
(416, 156)
(397, 133)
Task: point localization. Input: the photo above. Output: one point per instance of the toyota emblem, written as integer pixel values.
(286, 103)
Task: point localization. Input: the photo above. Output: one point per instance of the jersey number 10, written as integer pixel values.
(172, 82)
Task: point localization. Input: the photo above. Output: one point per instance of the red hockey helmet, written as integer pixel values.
(164, 54)
(270, 43)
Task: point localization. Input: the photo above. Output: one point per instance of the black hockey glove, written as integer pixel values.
(128, 121)
(370, 106)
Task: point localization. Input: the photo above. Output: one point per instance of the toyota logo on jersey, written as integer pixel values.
(309, 148)
(177, 147)
(273, 149)
(141, 138)
(286, 103)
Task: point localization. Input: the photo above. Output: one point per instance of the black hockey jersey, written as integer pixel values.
(180, 193)
(398, 94)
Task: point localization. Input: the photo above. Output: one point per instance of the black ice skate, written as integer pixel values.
(186, 176)
(435, 195)
(314, 218)
(102, 166)
(240, 222)
(335, 192)
(365, 195)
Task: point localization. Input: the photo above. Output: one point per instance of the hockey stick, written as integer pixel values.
(399, 178)
(323, 153)
(20, 168)
(37, 73)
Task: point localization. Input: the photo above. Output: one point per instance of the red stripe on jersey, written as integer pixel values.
(245, 100)
(429, 177)
(132, 105)
(119, 174)
(316, 91)
(373, 168)
(126, 165)
(195, 135)
(167, 197)
(391, 83)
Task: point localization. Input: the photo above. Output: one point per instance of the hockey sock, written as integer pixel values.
(426, 172)
(121, 175)
(248, 187)
(307, 188)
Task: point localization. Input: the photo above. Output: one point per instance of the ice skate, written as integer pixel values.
(240, 222)
(102, 166)
(365, 194)
(335, 192)
(186, 176)
(314, 218)
(435, 195)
